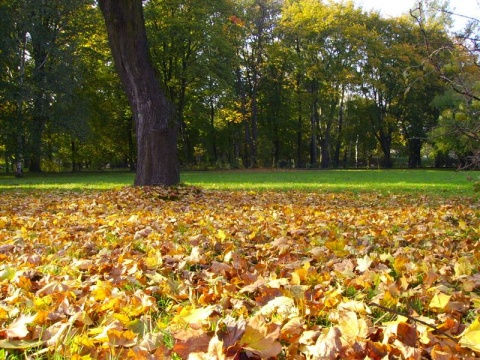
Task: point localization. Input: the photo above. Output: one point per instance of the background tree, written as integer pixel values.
(12, 80)
(259, 18)
(111, 136)
(192, 55)
(43, 72)
(455, 59)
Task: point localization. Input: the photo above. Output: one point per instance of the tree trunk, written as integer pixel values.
(325, 151)
(38, 125)
(299, 138)
(338, 144)
(41, 103)
(386, 145)
(313, 133)
(156, 126)
(74, 156)
(214, 135)
(414, 153)
(254, 120)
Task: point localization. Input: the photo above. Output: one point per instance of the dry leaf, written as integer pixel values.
(295, 267)
(260, 338)
(190, 341)
(18, 329)
(470, 338)
(327, 345)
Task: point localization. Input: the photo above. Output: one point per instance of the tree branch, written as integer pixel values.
(414, 319)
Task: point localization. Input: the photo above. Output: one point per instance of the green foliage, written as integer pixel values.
(264, 84)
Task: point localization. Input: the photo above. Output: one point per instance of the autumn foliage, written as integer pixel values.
(152, 273)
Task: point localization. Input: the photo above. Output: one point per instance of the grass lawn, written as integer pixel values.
(444, 183)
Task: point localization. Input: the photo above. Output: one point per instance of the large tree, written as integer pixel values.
(156, 125)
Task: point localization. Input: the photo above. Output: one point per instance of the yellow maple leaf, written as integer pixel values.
(400, 264)
(221, 235)
(3, 221)
(332, 297)
(281, 307)
(154, 260)
(463, 267)
(470, 338)
(3, 314)
(111, 304)
(100, 333)
(125, 338)
(261, 339)
(337, 246)
(193, 316)
(124, 319)
(439, 301)
(102, 290)
(363, 263)
(388, 299)
(352, 327)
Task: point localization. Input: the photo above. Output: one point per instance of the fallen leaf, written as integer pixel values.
(363, 263)
(281, 308)
(328, 345)
(190, 341)
(192, 316)
(352, 327)
(470, 338)
(20, 344)
(260, 338)
(18, 329)
(439, 301)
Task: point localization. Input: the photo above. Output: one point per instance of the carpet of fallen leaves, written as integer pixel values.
(153, 273)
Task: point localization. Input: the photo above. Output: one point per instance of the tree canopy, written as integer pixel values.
(248, 83)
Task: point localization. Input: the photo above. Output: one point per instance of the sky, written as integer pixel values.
(397, 7)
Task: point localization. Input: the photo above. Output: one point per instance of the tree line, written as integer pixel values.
(252, 83)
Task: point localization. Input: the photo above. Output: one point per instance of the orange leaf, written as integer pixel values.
(121, 338)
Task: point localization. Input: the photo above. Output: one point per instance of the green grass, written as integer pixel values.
(435, 182)
(445, 183)
(67, 181)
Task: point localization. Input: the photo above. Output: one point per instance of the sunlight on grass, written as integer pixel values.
(442, 183)
(429, 182)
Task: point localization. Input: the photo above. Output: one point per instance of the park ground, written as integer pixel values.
(242, 264)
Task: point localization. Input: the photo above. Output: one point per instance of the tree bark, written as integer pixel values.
(314, 121)
(156, 126)
(414, 153)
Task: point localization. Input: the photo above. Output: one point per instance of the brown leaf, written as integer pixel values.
(407, 334)
(230, 330)
(190, 341)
